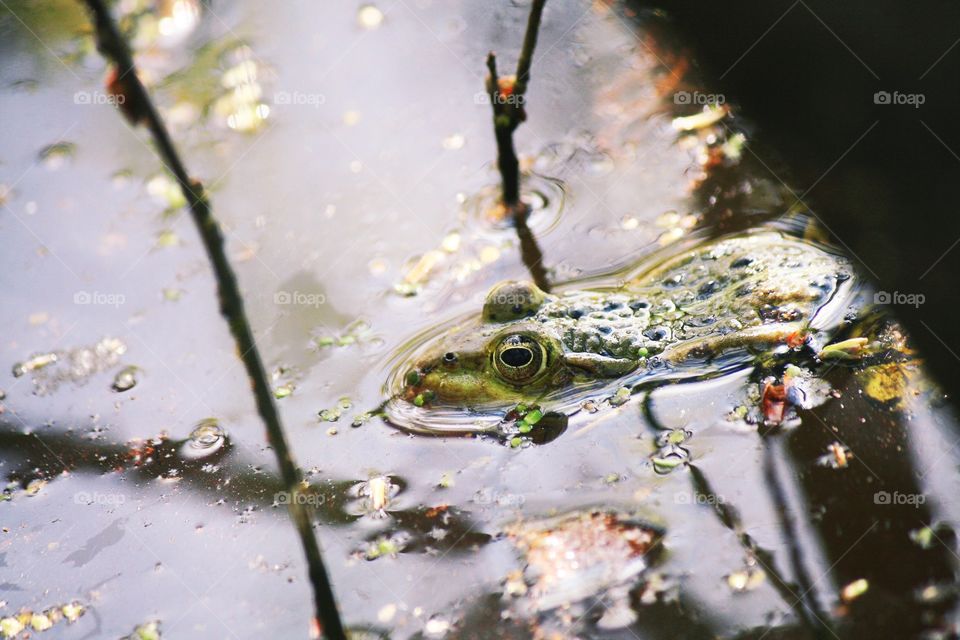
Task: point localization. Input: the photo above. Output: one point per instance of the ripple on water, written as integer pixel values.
(545, 196)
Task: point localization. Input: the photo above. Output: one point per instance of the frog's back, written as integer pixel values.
(723, 287)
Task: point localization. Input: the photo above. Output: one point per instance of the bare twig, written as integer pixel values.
(507, 99)
(141, 109)
(529, 44)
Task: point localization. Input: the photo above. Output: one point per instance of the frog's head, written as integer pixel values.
(498, 358)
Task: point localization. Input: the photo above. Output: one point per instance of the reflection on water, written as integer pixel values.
(344, 145)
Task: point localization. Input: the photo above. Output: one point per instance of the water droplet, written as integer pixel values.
(207, 438)
(125, 379)
(56, 155)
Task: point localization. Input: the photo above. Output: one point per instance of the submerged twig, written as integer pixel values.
(141, 109)
(507, 99)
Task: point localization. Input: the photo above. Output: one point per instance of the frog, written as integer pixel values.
(715, 306)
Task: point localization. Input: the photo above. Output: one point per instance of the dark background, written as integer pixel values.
(884, 178)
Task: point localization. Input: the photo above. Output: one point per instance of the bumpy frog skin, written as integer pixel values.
(745, 293)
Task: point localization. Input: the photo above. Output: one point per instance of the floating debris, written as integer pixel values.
(711, 114)
(358, 332)
(12, 626)
(851, 349)
(146, 631)
(854, 590)
(773, 403)
(838, 456)
(622, 396)
(373, 496)
(665, 464)
(333, 414)
(51, 369)
(888, 383)
(583, 555)
(33, 364)
(389, 545)
(362, 419)
(524, 424)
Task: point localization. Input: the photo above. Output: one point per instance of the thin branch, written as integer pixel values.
(507, 100)
(114, 48)
(529, 44)
(503, 127)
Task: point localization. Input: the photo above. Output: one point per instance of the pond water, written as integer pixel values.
(349, 153)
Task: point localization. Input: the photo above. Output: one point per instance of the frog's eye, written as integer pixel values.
(519, 358)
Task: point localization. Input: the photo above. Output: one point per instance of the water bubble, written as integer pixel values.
(56, 155)
(207, 438)
(125, 379)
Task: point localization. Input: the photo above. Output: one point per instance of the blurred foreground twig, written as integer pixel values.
(139, 108)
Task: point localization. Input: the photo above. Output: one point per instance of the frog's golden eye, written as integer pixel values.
(519, 358)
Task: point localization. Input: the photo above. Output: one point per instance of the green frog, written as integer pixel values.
(715, 305)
